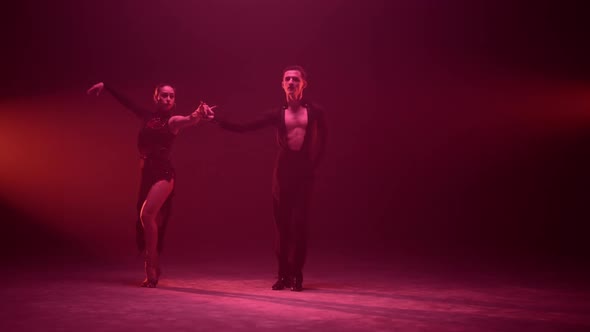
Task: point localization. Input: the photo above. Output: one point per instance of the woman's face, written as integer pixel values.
(166, 98)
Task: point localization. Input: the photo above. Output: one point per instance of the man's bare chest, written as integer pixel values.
(297, 119)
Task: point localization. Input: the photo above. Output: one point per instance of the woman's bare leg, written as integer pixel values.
(156, 197)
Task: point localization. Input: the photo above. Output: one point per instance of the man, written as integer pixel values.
(301, 135)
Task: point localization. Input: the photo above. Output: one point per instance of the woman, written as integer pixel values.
(155, 140)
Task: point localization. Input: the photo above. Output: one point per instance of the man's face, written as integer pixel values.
(293, 83)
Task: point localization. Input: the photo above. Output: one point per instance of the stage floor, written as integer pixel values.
(341, 294)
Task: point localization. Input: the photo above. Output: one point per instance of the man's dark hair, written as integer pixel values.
(298, 68)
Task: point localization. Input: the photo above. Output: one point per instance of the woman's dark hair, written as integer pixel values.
(159, 87)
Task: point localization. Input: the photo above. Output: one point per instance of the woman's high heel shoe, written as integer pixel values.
(151, 281)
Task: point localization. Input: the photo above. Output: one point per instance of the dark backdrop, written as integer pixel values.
(457, 128)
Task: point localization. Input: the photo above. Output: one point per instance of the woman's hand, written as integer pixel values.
(96, 88)
(204, 112)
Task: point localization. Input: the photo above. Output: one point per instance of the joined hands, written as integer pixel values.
(204, 111)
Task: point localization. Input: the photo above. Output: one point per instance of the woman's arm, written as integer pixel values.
(97, 89)
(178, 122)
